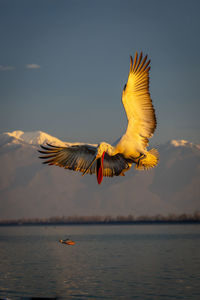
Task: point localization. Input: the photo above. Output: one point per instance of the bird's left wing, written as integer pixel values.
(137, 102)
(75, 157)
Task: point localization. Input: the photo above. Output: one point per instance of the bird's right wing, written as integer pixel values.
(75, 157)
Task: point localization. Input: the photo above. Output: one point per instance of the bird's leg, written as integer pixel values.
(140, 157)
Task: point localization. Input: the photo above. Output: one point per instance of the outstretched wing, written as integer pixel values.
(137, 102)
(77, 157)
(73, 157)
(114, 165)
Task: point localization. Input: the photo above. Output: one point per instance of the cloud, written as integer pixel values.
(6, 68)
(32, 66)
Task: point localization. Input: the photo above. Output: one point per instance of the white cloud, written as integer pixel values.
(32, 66)
(6, 68)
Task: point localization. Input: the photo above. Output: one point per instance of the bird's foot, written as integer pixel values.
(141, 157)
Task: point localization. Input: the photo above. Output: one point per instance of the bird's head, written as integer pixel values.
(104, 147)
(101, 150)
(99, 157)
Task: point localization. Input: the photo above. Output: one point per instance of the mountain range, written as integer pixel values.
(29, 189)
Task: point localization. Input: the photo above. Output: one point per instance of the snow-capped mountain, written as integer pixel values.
(33, 138)
(31, 189)
(183, 143)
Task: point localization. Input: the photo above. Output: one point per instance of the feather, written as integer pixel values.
(78, 157)
(107, 160)
(138, 106)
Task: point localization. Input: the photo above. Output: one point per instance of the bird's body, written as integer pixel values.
(113, 160)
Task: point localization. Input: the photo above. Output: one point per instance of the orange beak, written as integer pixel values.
(100, 168)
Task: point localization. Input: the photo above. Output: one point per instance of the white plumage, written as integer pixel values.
(113, 160)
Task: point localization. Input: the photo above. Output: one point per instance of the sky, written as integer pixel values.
(63, 66)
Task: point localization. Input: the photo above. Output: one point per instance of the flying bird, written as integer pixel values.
(104, 159)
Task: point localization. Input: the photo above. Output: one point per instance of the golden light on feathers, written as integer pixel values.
(113, 160)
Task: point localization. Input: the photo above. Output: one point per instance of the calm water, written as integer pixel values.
(107, 262)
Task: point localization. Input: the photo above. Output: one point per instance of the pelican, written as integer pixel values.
(114, 160)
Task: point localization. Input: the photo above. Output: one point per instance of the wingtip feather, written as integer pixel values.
(138, 62)
(131, 63)
(135, 61)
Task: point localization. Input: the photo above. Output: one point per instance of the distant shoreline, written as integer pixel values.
(106, 220)
(184, 222)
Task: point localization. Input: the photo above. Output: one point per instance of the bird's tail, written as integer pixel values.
(149, 161)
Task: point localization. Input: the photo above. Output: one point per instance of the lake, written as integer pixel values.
(107, 262)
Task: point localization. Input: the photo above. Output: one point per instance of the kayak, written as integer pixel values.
(67, 242)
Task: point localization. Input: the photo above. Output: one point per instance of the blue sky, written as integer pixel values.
(63, 65)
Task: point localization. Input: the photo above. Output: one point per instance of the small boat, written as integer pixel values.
(67, 242)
